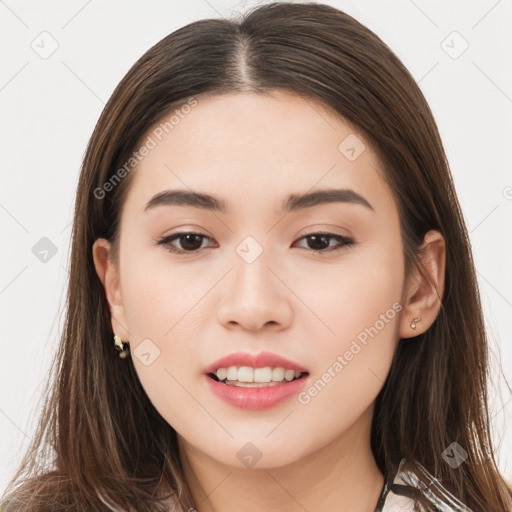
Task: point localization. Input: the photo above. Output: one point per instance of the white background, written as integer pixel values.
(49, 108)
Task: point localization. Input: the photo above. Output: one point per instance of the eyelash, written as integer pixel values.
(345, 242)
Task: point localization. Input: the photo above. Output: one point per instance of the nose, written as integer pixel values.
(254, 295)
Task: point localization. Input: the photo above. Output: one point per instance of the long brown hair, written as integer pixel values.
(99, 432)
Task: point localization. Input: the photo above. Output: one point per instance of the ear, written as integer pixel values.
(425, 288)
(108, 273)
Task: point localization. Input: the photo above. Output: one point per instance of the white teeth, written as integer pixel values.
(262, 374)
(222, 373)
(278, 373)
(232, 373)
(246, 374)
(289, 375)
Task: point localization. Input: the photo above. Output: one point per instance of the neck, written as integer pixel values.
(341, 475)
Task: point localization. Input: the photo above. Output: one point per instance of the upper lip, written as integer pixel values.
(260, 360)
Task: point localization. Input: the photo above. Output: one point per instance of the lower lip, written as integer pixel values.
(256, 399)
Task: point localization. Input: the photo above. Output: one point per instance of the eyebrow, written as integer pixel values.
(292, 203)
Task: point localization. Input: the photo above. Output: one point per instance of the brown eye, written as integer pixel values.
(319, 242)
(189, 242)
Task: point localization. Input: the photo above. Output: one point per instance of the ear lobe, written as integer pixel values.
(109, 276)
(426, 287)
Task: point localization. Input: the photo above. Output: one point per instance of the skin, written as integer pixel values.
(252, 151)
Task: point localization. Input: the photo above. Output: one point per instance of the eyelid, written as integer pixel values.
(167, 239)
(326, 230)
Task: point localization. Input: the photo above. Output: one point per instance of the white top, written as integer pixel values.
(400, 496)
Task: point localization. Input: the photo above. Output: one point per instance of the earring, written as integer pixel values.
(413, 323)
(121, 346)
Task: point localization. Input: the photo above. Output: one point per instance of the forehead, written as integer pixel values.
(244, 145)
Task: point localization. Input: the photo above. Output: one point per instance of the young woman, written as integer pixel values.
(267, 231)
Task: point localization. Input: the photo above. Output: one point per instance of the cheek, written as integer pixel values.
(158, 292)
(353, 294)
(161, 302)
(358, 304)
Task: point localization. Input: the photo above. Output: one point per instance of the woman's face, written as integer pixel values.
(254, 281)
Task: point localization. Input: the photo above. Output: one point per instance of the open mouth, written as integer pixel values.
(237, 383)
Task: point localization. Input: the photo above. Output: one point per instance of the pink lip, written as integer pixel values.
(261, 360)
(256, 399)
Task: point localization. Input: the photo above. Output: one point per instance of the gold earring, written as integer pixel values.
(121, 346)
(413, 323)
